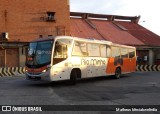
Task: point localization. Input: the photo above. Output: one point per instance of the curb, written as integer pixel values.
(15, 71)
(148, 67)
(11, 71)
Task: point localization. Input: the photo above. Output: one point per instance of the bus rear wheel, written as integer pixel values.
(117, 73)
(73, 77)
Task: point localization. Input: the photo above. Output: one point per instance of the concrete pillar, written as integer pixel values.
(68, 2)
(151, 57)
(5, 58)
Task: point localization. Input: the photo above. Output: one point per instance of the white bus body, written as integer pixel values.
(72, 58)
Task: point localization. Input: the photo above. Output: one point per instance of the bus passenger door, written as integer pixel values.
(59, 70)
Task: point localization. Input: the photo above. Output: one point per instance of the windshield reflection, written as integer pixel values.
(39, 53)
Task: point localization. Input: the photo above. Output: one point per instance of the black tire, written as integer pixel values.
(117, 73)
(73, 77)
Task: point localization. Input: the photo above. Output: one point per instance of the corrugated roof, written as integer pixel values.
(102, 29)
(114, 33)
(144, 35)
(80, 28)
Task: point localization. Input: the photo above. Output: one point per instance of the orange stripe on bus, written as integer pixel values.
(128, 65)
(35, 69)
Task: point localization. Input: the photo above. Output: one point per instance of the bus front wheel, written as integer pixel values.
(118, 73)
(73, 77)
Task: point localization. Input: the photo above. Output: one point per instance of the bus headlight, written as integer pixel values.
(47, 68)
(44, 70)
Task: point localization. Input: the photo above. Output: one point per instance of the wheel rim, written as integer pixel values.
(118, 73)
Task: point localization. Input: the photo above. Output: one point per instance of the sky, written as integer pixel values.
(147, 9)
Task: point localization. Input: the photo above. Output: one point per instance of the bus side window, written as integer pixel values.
(57, 48)
(80, 49)
(124, 52)
(60, 50)
(131, 53)
(93, 50)
(103, 51)
(116, 52)
(108, 51)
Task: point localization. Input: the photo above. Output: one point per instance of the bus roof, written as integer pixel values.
(44, 39)
(74, 38)
(91, 40)
(120, 45)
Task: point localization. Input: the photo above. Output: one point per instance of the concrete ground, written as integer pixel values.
(139, 88)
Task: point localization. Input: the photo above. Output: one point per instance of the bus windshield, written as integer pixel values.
(39, 53)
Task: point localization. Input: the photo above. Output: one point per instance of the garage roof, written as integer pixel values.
(118, 29)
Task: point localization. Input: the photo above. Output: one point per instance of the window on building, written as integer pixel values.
(50, 16)
(40, 36)
(4, 36)
(50, 35)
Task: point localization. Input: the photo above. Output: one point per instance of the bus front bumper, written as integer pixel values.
(38, 76)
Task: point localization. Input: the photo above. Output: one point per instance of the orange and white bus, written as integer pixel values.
(72, 58)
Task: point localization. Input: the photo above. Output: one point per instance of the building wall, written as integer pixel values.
(157, 56)
(150, 56)
(2, 57)
(142, 57)
(12, 57)
(9, 57)
(25, 20)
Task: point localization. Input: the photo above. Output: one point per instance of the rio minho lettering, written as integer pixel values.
(93, 62)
